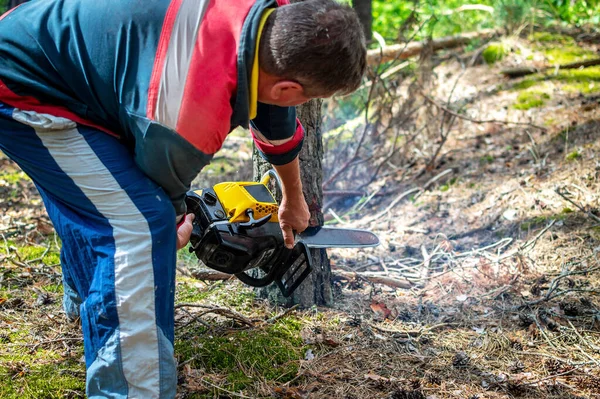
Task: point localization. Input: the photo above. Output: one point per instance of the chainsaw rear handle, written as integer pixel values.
(271, 174)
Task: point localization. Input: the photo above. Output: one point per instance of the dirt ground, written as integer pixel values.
(501, 252)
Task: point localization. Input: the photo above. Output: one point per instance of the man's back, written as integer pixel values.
(91, 57)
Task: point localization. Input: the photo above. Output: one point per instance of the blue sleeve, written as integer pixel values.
(278, 123)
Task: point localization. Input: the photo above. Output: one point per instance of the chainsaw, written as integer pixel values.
(236, 231)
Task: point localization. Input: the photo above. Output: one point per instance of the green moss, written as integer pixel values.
(272, 353)
(42, 381)
(585, 80)
(573, 156)
(13, 177)
(29, 253)
(531, 99)
(43, 373)
(495, 52)
(526, 83)
(547, 37)
(567, 54)
(218, 293)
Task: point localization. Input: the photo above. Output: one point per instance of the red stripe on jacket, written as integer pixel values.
(161, 54)
(28, 103)
(205, 113)
(267, 148)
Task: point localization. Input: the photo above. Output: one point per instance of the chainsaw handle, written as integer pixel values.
(271, 173)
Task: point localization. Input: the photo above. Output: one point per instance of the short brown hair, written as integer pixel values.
(318, 43)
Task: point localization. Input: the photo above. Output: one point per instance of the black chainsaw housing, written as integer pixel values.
(236, 248)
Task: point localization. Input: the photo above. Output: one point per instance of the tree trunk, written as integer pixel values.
(364, 10)
(14, 3)
(316, 289)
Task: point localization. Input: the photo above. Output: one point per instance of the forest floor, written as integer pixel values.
(502, 253)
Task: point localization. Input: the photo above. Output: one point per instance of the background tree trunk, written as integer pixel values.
(364, 9)
(14, 3)
(316, 289)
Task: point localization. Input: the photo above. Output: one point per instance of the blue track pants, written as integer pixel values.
(118, 249)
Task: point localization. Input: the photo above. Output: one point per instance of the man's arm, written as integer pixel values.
(278, 135)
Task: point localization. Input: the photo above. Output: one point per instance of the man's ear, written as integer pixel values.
(286, 89)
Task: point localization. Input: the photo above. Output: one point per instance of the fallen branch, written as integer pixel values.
(372, 278)
(524, 71)
(402, 51)
(210, 275)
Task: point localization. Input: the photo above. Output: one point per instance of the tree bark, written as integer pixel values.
(364, 10)
(316, 289)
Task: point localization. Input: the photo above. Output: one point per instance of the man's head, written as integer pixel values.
(310, 49)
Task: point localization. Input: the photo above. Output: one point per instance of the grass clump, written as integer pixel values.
(531, 99)
(495, 52)
(573, 156)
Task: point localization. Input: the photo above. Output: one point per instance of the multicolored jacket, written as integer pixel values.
(170, 78)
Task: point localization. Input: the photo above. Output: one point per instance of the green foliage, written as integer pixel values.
(442, 18)
(495, 52)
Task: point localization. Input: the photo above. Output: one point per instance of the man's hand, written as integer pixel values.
(293, 217)
(293, 211)
(185, 231)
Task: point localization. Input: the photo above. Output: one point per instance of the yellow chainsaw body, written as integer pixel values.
(237, 197)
